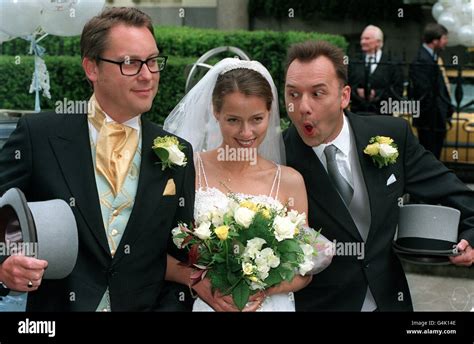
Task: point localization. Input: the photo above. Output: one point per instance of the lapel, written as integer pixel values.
(320, 188)
(374, 177)
(151, 183)
(72, 149)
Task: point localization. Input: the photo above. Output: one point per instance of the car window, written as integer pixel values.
(6, 128)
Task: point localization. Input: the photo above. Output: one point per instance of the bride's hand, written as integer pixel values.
(297, 283)
(255, 302)
(219, 302)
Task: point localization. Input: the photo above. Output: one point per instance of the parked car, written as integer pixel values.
(6, 128)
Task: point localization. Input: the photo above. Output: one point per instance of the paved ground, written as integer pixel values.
(441, 293)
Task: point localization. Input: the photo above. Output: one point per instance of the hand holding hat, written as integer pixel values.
(466, 258)
(35, 236)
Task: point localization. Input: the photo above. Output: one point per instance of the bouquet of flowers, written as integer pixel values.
(248, 247)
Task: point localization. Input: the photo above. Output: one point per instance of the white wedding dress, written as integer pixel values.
(210, 198)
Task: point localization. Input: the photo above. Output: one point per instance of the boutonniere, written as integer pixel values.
(170, 151)
(382, 150)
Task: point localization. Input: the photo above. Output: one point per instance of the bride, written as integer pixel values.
(231, 118)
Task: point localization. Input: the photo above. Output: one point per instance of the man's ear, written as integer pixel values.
(91, 69)
(345, 96)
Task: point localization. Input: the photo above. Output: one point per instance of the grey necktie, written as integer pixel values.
(342, 186)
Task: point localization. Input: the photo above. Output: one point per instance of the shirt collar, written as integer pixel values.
(133, 122)
(431, 51)
(377, 56)
(342, 141)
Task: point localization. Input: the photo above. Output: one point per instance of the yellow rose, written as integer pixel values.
(372, 149)
(266, 213)
(384, 139)
(253, 278)
(247, 268)
(222, 232)
(249, 205)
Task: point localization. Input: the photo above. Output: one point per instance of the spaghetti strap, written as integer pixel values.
(276, 182)
(200, 167)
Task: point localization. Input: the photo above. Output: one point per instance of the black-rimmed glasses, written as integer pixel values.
(131, 67)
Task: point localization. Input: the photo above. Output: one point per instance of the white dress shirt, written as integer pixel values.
(343, 145)
(133, 123)
(374, 58)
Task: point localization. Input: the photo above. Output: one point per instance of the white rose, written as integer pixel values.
(203, 231)
(177, 241)
(284, 228)
(305, 267)
(386, 150)
(253, 247)
(298, 219)
(270, 258)
(175, 155)
(244, 216)
(217, 217)
(307, 250)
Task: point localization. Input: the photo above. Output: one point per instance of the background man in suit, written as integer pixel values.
(349, 198)
(429, 87)
(103, 165)
(372, 77)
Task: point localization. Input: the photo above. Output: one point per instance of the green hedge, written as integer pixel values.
(183, 44)
(67, 80)
(187, 41)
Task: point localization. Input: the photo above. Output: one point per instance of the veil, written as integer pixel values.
(193, 118)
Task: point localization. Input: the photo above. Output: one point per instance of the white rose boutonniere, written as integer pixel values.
(170, 151)
(382, 150)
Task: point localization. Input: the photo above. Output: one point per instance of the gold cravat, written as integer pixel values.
(115, 148)
(445, 76)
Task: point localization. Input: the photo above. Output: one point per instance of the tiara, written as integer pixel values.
(244, 64)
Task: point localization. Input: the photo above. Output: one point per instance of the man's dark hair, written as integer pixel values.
(433, 31)
(310, 50)
(95, 33)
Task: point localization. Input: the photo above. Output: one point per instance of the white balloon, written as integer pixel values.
(4, 37)
(70, 21)
(450, 3)
(466, 14)
(437, 9)
(466, 35)
(453, 38)
(445, 3)
(19, 17)
(448, 20)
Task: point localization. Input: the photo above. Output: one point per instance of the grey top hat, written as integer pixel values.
(44, 230)
(427, 229)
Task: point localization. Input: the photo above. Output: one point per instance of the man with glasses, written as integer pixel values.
(103, 165)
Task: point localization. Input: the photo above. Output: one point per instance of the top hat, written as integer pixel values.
(43, 230)
(427, 234)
